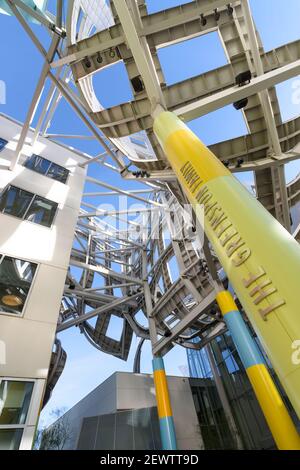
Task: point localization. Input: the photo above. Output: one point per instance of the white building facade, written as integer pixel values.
(39, 205)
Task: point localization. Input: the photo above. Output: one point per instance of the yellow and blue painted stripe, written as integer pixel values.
(166, 421)
(282, 428)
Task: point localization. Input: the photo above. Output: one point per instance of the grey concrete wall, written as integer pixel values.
(123, 391)
(137, 391)
(102, 400)
(27, 338)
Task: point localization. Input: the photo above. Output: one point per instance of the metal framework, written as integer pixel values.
(124, 260)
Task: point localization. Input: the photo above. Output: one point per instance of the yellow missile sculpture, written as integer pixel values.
(261, 259)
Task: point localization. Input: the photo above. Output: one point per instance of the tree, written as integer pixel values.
(55, 436)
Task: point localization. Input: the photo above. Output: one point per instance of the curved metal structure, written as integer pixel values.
(92, 46)
(129, 268)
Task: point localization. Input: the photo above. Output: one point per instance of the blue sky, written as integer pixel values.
(21, 64)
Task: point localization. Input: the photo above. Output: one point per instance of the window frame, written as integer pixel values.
(29, 206)
(46, 174)
(25, 424)
(2, 140)
(21, 314)
(6, 188)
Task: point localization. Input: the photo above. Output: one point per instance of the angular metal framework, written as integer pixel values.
(131, 257)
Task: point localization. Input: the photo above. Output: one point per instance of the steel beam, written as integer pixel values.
(94, 313)
(163, 344)
(41, 18)
(34, 102)
(114, 193)
(231, 95)
(105, 271)
(268, 113)
(150, 25)
(141, 52)
(122, 191)
(78, 111)
(28, 30)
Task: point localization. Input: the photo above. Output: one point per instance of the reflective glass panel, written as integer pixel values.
(38, 164)
(15, 201)
(45, 167)
(15, 280)
(14, 401)
(58, 173)
(10, 439)
(3, 143)
(41, 211)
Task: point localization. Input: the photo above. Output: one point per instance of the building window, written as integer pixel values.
(41, 211)
(27, 206)
(38, 164)
(10, 439)
(3, 144)
(15, 399)
(15, 201)
(16, 277)
(45, 167)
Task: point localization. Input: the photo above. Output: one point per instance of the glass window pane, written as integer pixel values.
(15, 201)
(14, 401)
(41, 211)
(10, 439)
(38, 164)
(124, 431)
(58, 173)
(106, 432)
(142, 431)
(3, 143)
(45, 167)
(88, 433)
(155, 428)
(15, 280)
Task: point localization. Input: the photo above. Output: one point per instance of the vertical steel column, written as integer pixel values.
(280, 423)
(268, 112)
(164, 409)
(166, 422)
